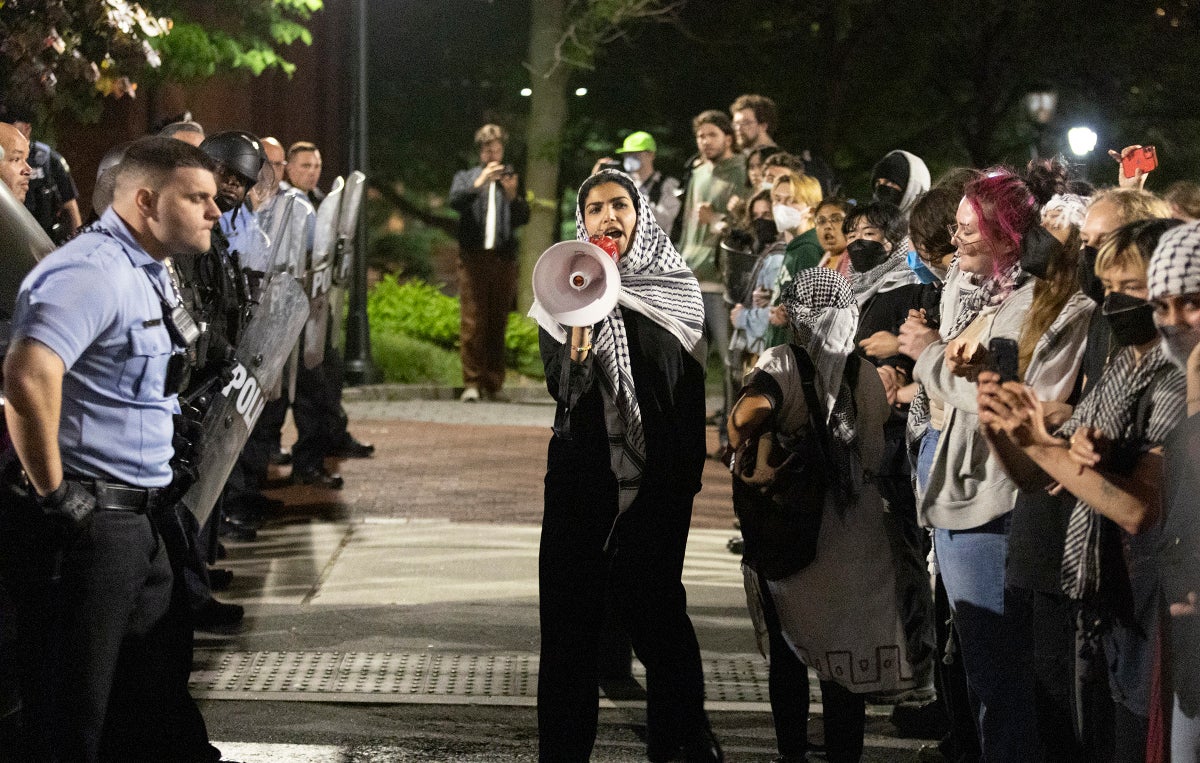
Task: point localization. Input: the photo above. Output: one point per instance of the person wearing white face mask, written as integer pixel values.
(1174, 280)
(637, 159)
(794, 198)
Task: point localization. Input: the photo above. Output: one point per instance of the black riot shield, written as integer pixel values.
(258, 363)
(319, 277)
(344, 254)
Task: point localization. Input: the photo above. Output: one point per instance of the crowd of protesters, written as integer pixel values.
(962, 453)
(957, 414)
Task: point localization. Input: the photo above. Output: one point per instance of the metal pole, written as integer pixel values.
(358, 330)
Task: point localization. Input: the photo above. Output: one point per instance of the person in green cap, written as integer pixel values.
(637, 160)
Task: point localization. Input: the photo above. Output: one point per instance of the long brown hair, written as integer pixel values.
(1050, 296)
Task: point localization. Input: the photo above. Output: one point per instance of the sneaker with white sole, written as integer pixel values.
(470, 395)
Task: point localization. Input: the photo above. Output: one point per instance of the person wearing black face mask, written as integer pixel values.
(886, 289)
(1107, 212)
(899, 178)
(1109, 456)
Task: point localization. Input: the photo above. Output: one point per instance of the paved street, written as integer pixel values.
(396, 620)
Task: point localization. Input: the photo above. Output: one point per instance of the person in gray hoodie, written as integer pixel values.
(968, 498)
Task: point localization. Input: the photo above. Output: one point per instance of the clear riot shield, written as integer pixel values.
(352, 199)
(287, 230)
(319, 278)
(258, 363)
(22, 244)
(288, 233)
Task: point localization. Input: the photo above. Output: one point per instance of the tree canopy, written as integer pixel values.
(64, 55)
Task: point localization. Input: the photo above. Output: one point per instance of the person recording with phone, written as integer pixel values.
(1109, 456)
(623, 468)
(490, 207)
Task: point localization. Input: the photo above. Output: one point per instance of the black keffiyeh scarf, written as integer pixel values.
(657, 283)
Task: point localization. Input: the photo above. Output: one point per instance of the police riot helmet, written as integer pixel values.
(240, 152)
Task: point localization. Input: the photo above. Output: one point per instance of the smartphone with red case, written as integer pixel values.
(1144, 159)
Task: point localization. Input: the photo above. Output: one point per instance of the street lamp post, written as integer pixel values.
(1041, 106)
(358, 330)
(1082, 141)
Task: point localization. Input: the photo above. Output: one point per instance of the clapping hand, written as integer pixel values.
(1012, 409)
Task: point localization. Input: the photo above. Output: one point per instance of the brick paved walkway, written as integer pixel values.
(462, 472)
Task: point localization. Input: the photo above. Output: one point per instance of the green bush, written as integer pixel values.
(419, 311)
(402, 359)
(414, 308)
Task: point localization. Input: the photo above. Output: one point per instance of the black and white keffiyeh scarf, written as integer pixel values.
(1113, 407)
(657, 283)
(990, 295)
(892, 273)
(824, 316)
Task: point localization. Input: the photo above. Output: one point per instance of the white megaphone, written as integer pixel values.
(576, 282)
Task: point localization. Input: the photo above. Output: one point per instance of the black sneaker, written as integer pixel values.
(281, 457)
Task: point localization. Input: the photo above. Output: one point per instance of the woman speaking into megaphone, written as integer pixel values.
(623, 467)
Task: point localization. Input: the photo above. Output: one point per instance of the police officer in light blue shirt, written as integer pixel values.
(98, 334)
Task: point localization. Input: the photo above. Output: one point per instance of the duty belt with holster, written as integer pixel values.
(113, 496)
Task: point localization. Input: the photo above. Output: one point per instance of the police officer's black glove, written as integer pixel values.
(183, 475)
(187, 436)
(69, 506)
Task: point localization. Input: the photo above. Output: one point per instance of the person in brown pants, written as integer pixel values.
(490, 210)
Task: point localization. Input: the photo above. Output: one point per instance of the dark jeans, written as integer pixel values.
(642, 569)
(1046, 624)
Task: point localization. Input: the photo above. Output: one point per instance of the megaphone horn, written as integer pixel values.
(576, 282)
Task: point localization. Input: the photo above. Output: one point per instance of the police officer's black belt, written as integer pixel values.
(117, 497)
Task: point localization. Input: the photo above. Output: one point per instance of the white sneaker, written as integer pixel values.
(470, 395)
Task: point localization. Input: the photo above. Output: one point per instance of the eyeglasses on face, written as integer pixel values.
(831, 220)
(961, 234)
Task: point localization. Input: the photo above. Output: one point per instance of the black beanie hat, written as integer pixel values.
(893, 167)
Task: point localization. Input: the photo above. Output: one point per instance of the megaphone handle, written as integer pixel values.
(581, 343)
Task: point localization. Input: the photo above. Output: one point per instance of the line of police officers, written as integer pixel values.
(120, 342)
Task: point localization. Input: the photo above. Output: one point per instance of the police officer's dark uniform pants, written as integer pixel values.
(108, 680)
(487, 288)
(315, 409)
(642, 570)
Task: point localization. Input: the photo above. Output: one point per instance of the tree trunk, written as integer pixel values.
(547, 116)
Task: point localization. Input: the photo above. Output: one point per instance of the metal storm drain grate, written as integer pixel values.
(424, 677)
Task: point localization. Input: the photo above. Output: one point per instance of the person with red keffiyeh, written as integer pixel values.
(623, 468)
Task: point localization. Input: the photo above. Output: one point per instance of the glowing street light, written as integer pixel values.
(1082, 140)
(581, 91)
(526, 92)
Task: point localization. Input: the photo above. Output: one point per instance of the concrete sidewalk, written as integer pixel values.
(397, 619)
